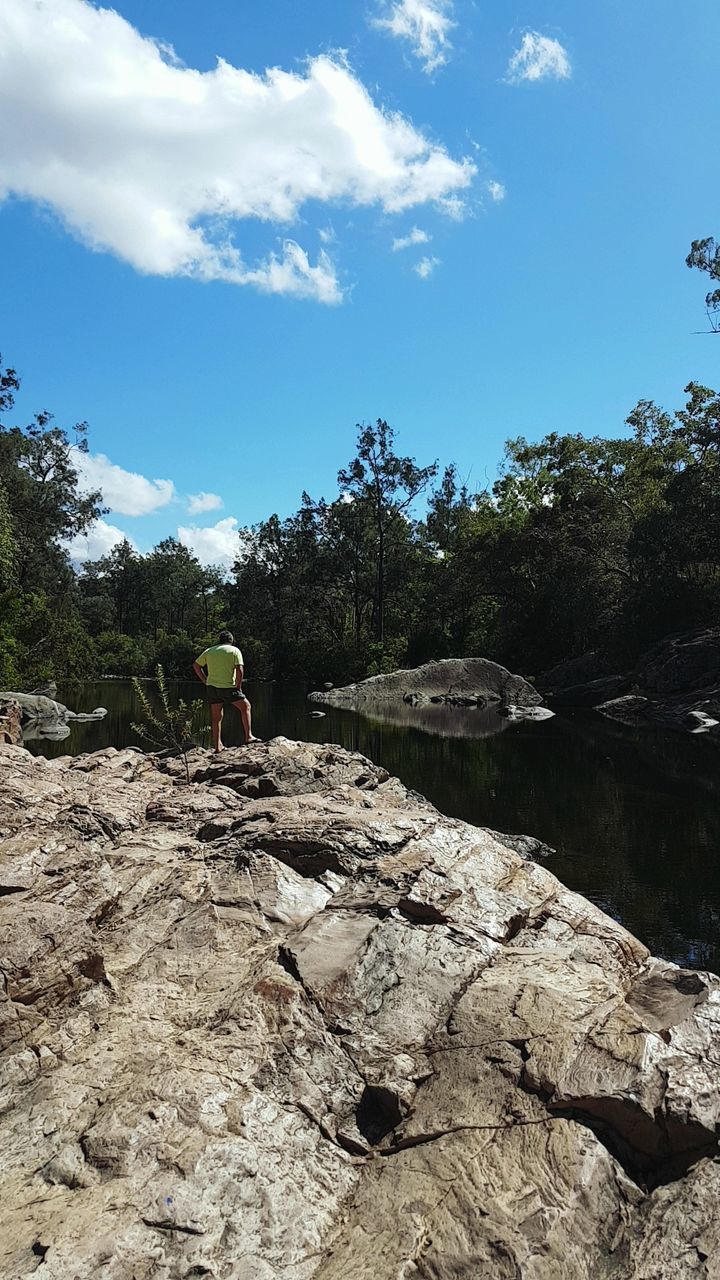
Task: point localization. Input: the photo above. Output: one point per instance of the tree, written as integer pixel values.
(47, 505)
(9, 384)
(174, 579)
(7, 557)
(705, 256)
(677, 545)
(387, 485)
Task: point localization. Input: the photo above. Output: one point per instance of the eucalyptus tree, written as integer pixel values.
(387, 485)
(705, 256)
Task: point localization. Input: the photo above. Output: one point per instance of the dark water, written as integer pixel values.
(634, 817)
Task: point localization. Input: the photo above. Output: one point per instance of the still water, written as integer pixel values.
(634, 816)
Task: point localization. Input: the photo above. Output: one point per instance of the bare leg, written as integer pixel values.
(245, 709)
(216, 715)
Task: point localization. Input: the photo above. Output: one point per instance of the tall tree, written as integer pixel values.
(387, 485)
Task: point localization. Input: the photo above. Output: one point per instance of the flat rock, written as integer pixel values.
(290, 1022)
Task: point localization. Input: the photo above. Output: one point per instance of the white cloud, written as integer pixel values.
(198, 503)
(98, 541)
(425, 267)
(496, 191)
(416, 236)
(124, 492)
(538, 58)
(157, 162)
(218, 544)
(425, 24)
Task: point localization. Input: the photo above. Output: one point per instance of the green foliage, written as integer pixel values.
(120, 655)
(705, 255)
(167, 727)
(7, 554)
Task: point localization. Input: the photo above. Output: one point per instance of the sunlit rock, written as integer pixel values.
(290, 1022)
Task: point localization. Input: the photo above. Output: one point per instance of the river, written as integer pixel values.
(633, 815)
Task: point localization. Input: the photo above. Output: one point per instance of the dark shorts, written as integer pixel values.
(224, 696)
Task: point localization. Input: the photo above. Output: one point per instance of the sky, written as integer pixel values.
(232, 231)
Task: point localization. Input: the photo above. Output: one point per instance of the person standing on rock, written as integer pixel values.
(220, 668)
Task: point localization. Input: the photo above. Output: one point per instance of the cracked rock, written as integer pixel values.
(291, 1023)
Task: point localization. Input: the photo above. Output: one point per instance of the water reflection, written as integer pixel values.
(443, 721)
(40, 730)
(633, 815)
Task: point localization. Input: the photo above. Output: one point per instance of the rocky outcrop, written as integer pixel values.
(43, 717)
(574, 673)
(291, 1023)
(459, 682)
(10, 718)
(676, 685)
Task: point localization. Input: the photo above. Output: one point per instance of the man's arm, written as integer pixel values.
(199, 672)
(239, 672)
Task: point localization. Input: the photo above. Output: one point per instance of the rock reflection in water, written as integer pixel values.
(442, 720)
(39, 730)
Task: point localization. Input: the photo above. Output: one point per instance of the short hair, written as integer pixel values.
(225, 637)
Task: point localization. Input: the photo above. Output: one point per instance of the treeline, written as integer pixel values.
(581, 543)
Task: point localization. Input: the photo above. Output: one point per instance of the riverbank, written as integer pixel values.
(290, 1018)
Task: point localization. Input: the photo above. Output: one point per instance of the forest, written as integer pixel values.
(581, 543)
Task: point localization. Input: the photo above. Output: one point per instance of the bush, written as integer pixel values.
(167, 728)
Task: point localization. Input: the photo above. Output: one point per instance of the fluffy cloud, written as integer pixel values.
(155, 162)
(98, 541)
(425, 24)
(496, 191)
(538, 58)
(416, 236)
(425, 267)
(220, 544)
(124, 492)
(198, 503)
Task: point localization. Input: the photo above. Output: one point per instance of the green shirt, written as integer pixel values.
(221, 661)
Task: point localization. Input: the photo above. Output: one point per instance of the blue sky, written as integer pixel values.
(558, 202)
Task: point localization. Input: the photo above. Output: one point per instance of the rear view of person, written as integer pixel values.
(222, 677)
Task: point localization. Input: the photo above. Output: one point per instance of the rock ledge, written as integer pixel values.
(291, 1023)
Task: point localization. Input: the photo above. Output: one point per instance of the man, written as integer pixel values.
(222, 677)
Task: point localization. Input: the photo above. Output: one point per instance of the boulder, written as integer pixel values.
(462, 682)
(290, 1022)
(10, 718)
(631, 709)
(680, 663)
(43, 717)
(592, 693)
(574, 673)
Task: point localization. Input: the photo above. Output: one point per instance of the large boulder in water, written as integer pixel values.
(292, 1023)
(680, 664)
(43, 717)
(454, 681)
